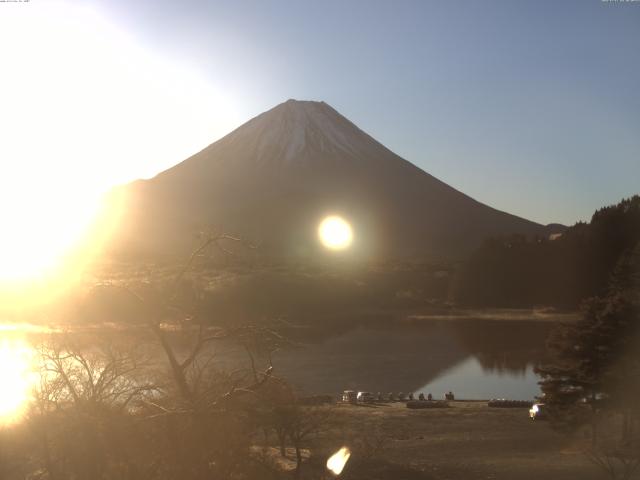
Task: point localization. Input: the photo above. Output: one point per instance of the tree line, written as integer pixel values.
(517, 271)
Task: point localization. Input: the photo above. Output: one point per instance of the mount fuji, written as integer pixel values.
(273, 179)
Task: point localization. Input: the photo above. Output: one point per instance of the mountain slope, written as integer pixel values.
(274, 178)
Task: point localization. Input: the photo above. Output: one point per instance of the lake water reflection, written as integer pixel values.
(476, 359)
(469, 380)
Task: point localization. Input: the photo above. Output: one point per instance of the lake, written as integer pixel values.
(473, 358)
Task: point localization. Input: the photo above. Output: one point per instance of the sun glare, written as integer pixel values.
(16, 379)
(335, 233)
(84, 107)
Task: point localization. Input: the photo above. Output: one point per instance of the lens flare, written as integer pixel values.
(335, 233)
(338, 460)
(93, 124)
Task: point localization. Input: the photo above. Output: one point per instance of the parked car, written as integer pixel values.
(538, 412)
(504, 403)
(366, 397)
(349, 396)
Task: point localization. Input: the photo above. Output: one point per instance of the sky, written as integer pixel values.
(532, 107)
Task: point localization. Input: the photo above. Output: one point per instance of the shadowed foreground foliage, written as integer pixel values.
(594, 378)
(107, 408)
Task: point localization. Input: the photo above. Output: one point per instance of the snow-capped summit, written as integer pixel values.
(295, 125)
(286, 133)
(275, 177)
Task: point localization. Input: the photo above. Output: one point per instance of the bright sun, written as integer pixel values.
(84, 107)
(335, 233)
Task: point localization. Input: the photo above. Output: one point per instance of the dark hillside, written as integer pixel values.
(515, 271)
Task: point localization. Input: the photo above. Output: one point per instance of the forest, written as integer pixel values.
(559, 272)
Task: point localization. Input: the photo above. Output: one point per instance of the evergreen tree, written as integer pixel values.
(597, 359)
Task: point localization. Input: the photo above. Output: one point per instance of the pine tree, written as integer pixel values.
(597, 359)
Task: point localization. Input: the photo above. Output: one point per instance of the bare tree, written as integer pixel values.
(618, 456)
(84, 405)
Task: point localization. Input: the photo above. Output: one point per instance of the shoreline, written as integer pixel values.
(496, 314)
